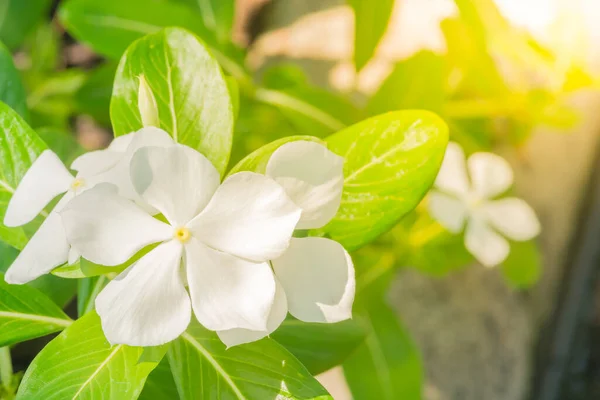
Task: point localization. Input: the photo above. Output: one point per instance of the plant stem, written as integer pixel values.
(6, 368)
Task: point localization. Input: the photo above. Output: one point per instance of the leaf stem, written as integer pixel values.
(6, 368)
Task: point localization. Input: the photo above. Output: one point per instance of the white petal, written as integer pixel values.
(147, 304)
(96, 162)
(452, 177)
(73, 256)
(488, 247)
(317, 275)
(228, 292)
(491, 174)
(178, 181)
(312, 176)
(249, 216)
(449, 211)
(44, 180)
(108, 229)
(513, 217)
(46, 250)
(235, 337)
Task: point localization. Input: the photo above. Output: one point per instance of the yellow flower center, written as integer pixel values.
(182, 234)
(77, 183)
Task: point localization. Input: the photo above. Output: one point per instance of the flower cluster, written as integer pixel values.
(465, 194)
(223, 251)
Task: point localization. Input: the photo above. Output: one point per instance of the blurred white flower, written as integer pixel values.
(217, 240)
(466, 193)
(315, 275)
(48, 178)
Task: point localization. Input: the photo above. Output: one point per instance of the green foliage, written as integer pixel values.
(80, 363)
(195, 109)
(12, 92)
(160, 384)
(17, 19)
(87, 290)
(522, 269)
(319, 347)
(62, 143)
(258, 370)
(391, 161)
(93, 98)
(26, 313)
(216, 14)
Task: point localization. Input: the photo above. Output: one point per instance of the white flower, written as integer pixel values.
(460, 199)
(217, 240)
(47, 178)
(315, 276)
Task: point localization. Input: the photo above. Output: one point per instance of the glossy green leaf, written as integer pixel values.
(81, 364)
(387, 366)
(194, 105)
(18, 18)
(26, 313)
(391, 162)
(87, 290)
(319, 347)
(19, 147)
(523, 266)
(12, 91)
(60, 291)
(204, 369)
(257, 161)
(370, 23)
(93, 98)
(160, 384)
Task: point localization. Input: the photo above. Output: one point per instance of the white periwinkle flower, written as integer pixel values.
(315, 276)
(217, 241)
(459, 199)
(47, 178)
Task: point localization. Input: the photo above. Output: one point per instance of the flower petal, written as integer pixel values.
(317, 275)
(178, 181)
(491, 174)
(249, 216)
(96, 162)
(228, 292)
(147, 304)
(312, 176)
(449, 211)
(44, 180)
(108, 229)
(488, 247)
(452, 177)
(46, 250)
(513, 217)
(235, 337)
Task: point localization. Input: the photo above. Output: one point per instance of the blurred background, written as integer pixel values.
(517, 77)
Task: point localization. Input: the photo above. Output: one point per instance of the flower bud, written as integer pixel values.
(147, 104)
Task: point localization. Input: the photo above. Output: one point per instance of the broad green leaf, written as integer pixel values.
(19, 147)
(62, 143)
(194, 105)
(109, 26)
(319, 347)
(160, 384)
(81, 364)
(204, 369)
(18, 17)
(370, 23)
(391, 161)
(93, 98)
(418, 82)
(87, 290)
(26, 313)
(216, 14)
(522, 268)
(387, 366)
(257, 161)
(60, 291)
(12, 91)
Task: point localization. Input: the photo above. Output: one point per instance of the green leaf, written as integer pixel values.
(319, 346)
(523, 268)
(81, 364)
(62, 143)
(93, 98)
(109, 26)
(87, 290)
(388, 365)
(19, 147)
(160, 384)
(12, 91)
(391, 162)
(204, 369)
(216, 14)
(193, 100)
(26, 313)
(60, 291)
(257, 161)
(415, 83)
(370, 23)
(17, 19)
